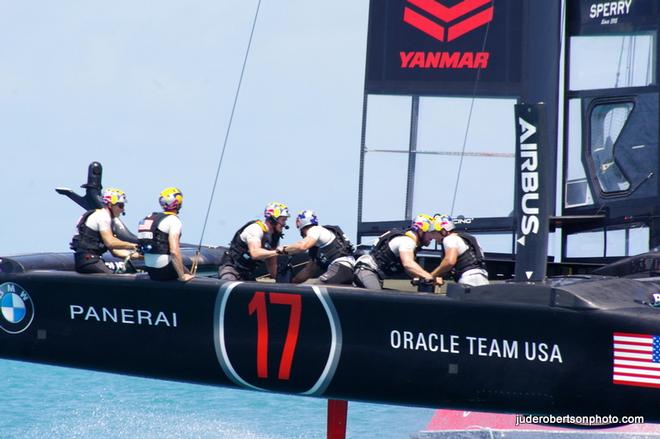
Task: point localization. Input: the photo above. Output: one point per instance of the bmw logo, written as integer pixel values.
(16, 308)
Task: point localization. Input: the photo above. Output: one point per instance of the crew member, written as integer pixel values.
(329, 250)
(253, 244)
(95, 236)
(462, 255)
(395, 252)
(160, 235)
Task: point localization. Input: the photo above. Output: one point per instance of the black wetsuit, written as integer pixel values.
(88, 247)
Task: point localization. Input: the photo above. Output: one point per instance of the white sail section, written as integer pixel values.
(487, 147)
(387, 139)
(424, 140)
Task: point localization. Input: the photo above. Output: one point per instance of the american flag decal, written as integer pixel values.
(636, 359)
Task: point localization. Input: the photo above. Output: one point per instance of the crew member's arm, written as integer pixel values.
(113, 243)
(448, 262)
(414, 269)
(177, 260)
(298, 247)
(258, 253)
(305, 273)
(127, 253)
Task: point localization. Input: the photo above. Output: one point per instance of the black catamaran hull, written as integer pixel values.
(401, 348)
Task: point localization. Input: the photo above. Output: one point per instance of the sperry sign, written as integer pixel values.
(597, 16)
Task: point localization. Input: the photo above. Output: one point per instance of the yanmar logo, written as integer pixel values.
(446, 23)
(457, 13)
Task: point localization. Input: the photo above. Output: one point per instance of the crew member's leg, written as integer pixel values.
(228, 272)
(366, 277)
(87, 263)
(338, 274)
(474, 280)
(164, 273)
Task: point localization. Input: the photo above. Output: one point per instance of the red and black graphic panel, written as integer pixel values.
(439, 46)
(269, 338)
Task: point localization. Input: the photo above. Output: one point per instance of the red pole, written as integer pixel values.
(337, 413)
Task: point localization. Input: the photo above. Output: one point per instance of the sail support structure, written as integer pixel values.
(533, 168)
(430, 66)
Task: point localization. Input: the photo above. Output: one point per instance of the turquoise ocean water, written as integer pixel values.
(41, 401)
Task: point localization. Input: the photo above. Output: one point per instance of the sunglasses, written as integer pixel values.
(120, 205)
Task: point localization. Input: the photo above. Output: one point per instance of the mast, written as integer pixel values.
(533, 166)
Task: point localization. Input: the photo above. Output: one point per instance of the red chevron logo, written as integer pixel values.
(461, 13)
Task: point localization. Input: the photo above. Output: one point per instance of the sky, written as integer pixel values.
(146, 88)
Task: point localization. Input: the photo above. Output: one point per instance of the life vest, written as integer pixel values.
(150, 238)
(339, 247)
(238, 254)
(387, 261)
(471, 259)
(87, 240)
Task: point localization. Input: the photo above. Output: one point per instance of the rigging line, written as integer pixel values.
(631, 67)
(231, 118)
(630, 59)
(608, 118)
(618, 67)
(467, 127)
(448, 153)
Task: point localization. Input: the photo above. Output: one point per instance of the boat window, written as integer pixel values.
(554, 244)
(627, 242)
(585, 245)
(577, 191)
(616, 243)
(612, 61)
(638, 241)
(607, 122)
(494, 242)
(622, 242)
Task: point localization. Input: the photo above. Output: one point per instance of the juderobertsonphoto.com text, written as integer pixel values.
(578, 420)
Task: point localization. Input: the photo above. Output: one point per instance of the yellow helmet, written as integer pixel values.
(112, 196)
(275, 210)
(425, 223)
(171, 198)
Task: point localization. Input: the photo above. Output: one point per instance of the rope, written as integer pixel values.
(618, 67)
(467, 127)
(224, 145)
(631, 60)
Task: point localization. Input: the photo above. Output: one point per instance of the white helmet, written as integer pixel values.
(112, 196)
(445, 221)
(306, 218)
(275, 210)
(425, 223)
